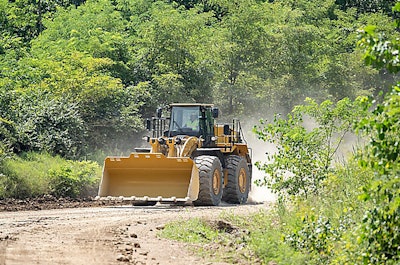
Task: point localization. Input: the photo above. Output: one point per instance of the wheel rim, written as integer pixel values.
(242, 180)
(216, 182)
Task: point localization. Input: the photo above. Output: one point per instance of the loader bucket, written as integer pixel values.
(150, 176)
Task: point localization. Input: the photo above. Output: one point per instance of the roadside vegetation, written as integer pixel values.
(327, 212)
(33, 175)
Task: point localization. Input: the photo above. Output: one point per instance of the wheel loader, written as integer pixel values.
(190, 159)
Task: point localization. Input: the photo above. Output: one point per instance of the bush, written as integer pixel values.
(380, 234)
(26, 175)
(318, 236)
(45, 123)
(12, 186)
(36, 174)
(304, 156)
(322, 208)
(75, 179)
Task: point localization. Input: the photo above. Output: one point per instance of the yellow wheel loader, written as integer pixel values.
(191, 159)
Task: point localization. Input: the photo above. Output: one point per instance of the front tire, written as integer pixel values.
(237, 189)
(143, 203)
(210, 178)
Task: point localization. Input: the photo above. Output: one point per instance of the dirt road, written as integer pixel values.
(100, 235)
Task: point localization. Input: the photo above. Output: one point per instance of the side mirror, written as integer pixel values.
(148, 124)
(215, 112)
(159, 112)
(227, 130)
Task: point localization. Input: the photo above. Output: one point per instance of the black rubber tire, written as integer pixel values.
(234, 191)
(210, 170)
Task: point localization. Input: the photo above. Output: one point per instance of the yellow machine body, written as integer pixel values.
(166, 172)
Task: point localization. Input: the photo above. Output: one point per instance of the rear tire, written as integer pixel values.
(237, 189)
(210, 178)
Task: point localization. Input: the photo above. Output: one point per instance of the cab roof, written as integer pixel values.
(191, 105)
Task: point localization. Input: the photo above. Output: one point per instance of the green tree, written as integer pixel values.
(110, 111)
(171, 44)
(95, 28)
(306, 141)
(24, 18)
(367, 6)
(44, 123)
(379, 235)
(119, 60)
(238, 51)
(82, 55)
(273, 55)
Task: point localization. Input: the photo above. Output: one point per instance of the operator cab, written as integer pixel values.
(192, 120)
(185, 120)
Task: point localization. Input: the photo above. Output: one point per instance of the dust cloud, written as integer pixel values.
(259, 149)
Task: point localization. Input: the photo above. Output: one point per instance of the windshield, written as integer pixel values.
(184, 120)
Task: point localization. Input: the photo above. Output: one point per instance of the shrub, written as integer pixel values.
(35, 174)
(380, 234)
(45, 123)
(75, 179)
(318, 236)
(304, 156)
(14, 186)
(25, 176)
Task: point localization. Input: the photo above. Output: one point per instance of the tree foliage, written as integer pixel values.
(172, 42)
(374, 238)
(43, 123)
(115, 62)
(367, 6)
(306, 142)
(380, 236)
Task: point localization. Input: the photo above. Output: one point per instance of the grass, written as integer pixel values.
(195, 230)
(236, 239)
(35, 174)
(317, 230)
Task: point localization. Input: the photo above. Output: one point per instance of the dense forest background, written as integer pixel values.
(80, 76)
